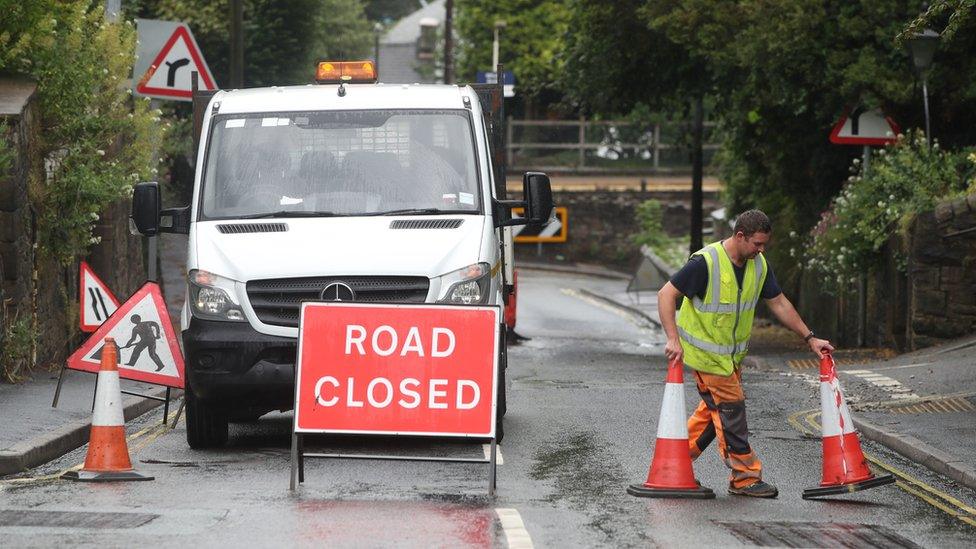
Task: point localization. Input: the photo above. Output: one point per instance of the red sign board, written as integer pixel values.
(863, 126)
(397, 369)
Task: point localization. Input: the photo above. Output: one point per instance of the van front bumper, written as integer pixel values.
(231, 366)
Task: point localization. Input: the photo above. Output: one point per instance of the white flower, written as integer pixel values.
(100, 152)
(891, 197)
(857, 161)
(104, 71)
(881, 204)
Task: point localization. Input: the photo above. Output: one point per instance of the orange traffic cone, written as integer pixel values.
(844, 467)
(671, 475)
(108, 454)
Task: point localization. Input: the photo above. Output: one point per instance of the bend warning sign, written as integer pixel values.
(397, 369)
(173, 55)
(863, 126)
(97, 301)
(148, 349)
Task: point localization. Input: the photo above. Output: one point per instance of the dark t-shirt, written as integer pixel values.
(692, 279)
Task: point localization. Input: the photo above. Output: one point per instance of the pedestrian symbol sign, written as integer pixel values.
(148, 349)
(168, 75)
(97, 301)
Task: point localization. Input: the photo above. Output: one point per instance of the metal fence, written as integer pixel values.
(602, 146)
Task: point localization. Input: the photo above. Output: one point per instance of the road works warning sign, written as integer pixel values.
(96, 300)
(148, 349)
(397, 369)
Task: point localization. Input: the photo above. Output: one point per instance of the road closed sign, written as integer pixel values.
(397, 369)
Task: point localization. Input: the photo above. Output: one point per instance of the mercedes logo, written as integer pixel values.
(337, 291)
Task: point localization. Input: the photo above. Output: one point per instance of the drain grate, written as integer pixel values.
(816, 534)
(73, 519)
(844, 358)
(940, 406)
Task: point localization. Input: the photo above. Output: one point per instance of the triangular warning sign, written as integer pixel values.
(97, 301)
(169, 74)
(148, 349)
(863, 126)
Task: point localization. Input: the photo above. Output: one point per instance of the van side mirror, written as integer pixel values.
(538, 198)
(149, 219)
(146, 207)
(538, 205)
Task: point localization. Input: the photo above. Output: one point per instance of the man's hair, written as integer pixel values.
(752, 222)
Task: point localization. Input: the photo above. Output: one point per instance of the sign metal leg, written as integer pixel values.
(492, 473)
(179, 411)
(294, 460)
(301, 459)
(166, 407)
(57, 392)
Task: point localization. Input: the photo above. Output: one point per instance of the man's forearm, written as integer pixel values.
(666, 308)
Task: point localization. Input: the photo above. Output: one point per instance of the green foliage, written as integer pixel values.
(16, 345)
(282, 38)
(530, 45)
(95, 140)
(953, 13)
(674, 251)
(6, 151)
(901, 181)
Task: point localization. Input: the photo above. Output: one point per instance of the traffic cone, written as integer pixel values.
(671, 475)
(108, 453)
(845, 469)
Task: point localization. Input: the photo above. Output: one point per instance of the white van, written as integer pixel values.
(340, 190)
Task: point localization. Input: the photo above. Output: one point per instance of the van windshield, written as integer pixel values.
(348, 163)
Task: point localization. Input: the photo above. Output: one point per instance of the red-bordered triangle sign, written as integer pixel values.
(148, 348)
(97, 301)
(169, 73)
(862, 126)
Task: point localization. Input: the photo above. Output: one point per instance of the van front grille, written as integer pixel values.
(278, 301)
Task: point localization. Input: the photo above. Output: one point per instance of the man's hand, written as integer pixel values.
(673, 350)
(818, 346)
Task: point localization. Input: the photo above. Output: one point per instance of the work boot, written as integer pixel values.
(758, 489)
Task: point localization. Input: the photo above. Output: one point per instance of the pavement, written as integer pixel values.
(920, 404)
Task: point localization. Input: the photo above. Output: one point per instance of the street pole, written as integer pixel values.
(925, 99)
(377, 30)
(237, 44)
(448, 42)
(696, 174)
(862, 282)
(494, 49)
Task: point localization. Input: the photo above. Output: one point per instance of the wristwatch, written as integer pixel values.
(808, 336)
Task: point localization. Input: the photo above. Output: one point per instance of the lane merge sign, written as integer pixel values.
(96, 300)
(397, 369)
(148, 348)
(556, 231)
(166, 56)
(862, 126)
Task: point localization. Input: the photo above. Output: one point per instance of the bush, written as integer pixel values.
(903, 179)
(673, 251)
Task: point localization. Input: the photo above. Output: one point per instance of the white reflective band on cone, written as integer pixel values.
(831, 413)
(108, 401)
(673, 423)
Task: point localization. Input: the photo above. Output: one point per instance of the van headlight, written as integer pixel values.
(211, 297)
(467, 286)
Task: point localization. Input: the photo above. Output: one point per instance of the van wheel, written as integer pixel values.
(205, 427)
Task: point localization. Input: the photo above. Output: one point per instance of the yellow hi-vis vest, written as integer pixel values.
(715, 331)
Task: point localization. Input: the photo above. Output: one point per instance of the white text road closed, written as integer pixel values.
(397, 369)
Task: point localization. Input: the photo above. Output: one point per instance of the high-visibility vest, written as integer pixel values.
(715, 331)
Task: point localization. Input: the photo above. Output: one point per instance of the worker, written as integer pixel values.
(720, 286)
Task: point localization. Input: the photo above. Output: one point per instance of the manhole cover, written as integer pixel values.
(816, 534)
(73, 519)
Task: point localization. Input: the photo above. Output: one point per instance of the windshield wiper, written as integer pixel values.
(290, 213)
(420, 211)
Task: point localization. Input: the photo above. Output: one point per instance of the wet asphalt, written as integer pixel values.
(584, 395)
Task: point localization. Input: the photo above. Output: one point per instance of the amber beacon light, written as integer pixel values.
(338, 72)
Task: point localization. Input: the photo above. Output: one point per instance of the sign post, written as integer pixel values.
(397, 369)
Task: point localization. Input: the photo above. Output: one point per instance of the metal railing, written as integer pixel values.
(599, 146)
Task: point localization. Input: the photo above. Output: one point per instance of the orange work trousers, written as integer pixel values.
(722, 414)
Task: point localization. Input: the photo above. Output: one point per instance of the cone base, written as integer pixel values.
(820, 491)
(104, 476)
(643, 491)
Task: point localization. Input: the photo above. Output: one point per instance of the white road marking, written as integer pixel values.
(515, 532)
(892, 386)
(499, 460)
(619, 311)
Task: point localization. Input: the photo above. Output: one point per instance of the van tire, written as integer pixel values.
(205, 427)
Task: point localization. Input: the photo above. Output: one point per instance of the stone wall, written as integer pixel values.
(602, 223)
(34, 286)
(923, 293)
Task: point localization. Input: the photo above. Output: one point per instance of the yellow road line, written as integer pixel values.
(907, 482)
